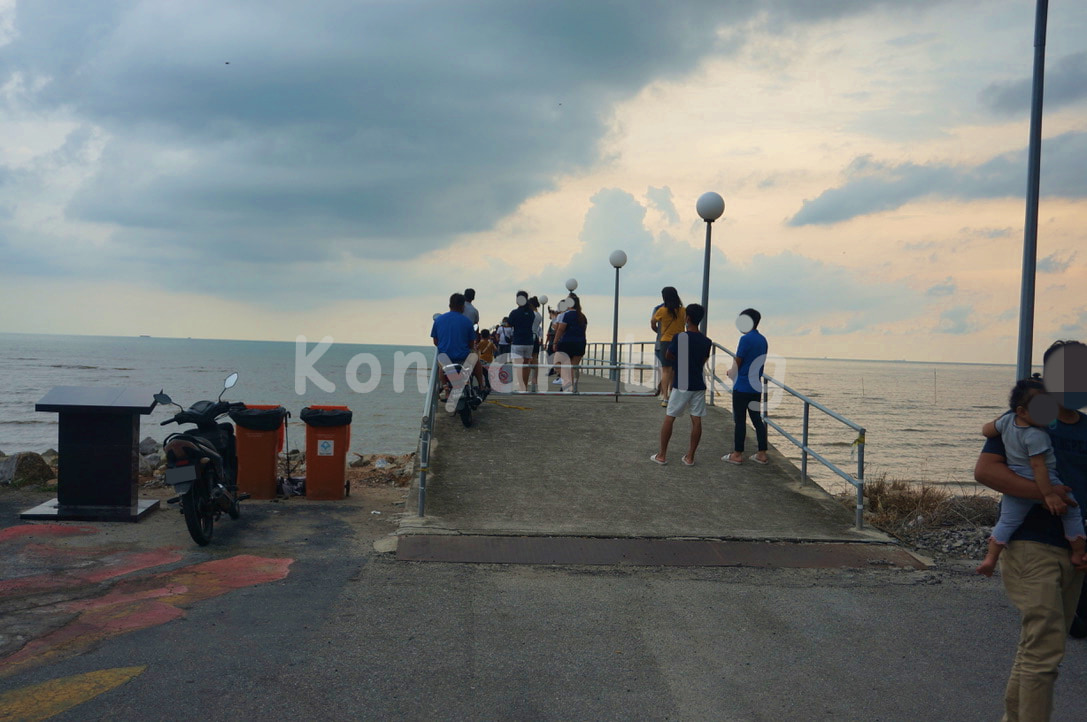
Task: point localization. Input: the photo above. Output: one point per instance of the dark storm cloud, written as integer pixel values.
(1065, 83)
(397, 125)
(872, 186)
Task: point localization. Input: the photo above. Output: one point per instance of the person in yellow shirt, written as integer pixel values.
(485, 348)
(669, 318)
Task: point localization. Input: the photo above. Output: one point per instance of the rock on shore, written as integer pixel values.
(25, 468)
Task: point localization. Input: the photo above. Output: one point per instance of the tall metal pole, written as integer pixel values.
(1030, 233)
(615, 331)
(706, 281)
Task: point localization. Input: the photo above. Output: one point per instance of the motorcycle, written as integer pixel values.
(202, 463)
(471, 394)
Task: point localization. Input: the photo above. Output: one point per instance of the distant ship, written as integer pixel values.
(144, 335)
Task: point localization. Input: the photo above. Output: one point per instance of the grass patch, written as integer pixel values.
(903, 508)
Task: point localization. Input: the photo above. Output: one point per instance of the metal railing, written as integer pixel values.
(856, 481)
(591, 364)
(626, 358)
(426, 430)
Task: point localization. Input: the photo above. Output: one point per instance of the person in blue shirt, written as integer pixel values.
(570, 342)
(746, 375)
(522, 321)
(1036, 567)
(455, 336)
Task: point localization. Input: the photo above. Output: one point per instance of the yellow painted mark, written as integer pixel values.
(42, 701)
(509, 406)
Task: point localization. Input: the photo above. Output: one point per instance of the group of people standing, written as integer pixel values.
(682, 351)
(518, 339)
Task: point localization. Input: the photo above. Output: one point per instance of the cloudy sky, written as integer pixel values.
(275, 168)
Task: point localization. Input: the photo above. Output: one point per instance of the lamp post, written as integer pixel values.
(710, 206)
(1030, 232)
(618, 259)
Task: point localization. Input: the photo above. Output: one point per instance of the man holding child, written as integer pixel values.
(1036, 565)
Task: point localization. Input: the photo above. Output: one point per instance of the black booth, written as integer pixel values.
(98, 446)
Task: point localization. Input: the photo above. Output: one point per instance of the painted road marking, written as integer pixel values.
(47, 699)
(140, 603)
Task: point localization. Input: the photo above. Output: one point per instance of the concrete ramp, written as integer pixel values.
(578, 466)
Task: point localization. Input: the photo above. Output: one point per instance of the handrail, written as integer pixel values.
(590, 368)
(856, 481)
(426, 431)
(599, 352)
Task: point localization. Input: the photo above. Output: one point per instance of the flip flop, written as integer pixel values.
(729, 459)
(655, 460)
(685, 462)
(757, 460)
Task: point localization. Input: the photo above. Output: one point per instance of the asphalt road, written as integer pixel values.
(348, 633)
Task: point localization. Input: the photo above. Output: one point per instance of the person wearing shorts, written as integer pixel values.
(570, 341)
(522, 320)
(667, 321)
(688, 352)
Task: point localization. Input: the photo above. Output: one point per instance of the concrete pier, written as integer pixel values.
(578, 467)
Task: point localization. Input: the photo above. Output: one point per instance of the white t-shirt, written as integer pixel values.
(537, 326)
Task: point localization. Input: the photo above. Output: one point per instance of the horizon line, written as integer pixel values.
(422, 345)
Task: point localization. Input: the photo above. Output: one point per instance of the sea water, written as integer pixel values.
(922, 420)
(386, 417)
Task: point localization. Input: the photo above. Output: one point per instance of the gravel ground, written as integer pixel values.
(958, 542)
(958, 528)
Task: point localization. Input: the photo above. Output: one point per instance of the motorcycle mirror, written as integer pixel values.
(228, 384)
(163, 399)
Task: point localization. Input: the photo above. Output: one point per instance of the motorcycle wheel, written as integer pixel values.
(465, 412)
(235, 509)
(199, 516)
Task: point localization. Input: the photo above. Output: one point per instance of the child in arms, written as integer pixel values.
(1030, 454)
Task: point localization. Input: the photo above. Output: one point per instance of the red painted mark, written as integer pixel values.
(144, 602)
(108, 566)
(50, 531)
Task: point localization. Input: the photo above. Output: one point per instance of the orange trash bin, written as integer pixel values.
(259, 431)
(328, 435)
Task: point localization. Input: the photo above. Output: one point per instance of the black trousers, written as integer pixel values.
(746, 404)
